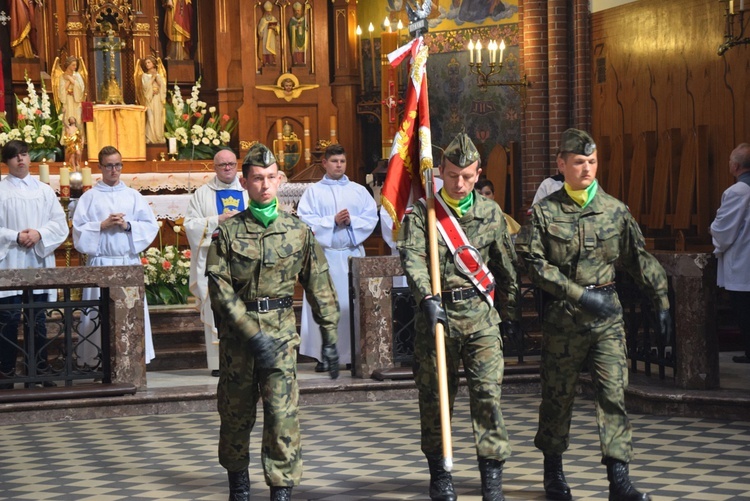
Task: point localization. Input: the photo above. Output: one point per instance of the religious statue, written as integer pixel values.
(72, 139)
(299, 34)
(151, 86)
(178, 20)
(23, 27)
(287, 87)
(268, 33)
(69, 87)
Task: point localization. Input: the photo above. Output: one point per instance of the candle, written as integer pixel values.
(361, 59)
(502, 49)
(172, 142)
(64, 182)
(44, 171)
(86, 177)
(306, 139)
(479, 51)
(493, 52)
(399, 27)
(333, 129)
(731, 6)
(280, 143)
(471, 51)
(371, 28)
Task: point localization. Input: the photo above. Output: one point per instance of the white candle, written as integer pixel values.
(64, 176)
(502, 49)
(44, 171)
(86, 176)
(471, 51)
(172, 142)
(479, 52)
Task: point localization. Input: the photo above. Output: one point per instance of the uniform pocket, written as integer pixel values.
(608, 246)
(560, 242)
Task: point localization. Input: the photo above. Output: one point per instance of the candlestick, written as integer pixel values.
(172, 142)
(399, 27)
(306, 139)
(387, 24)
(731, 6)
(44, 171)
(334, 139)
(64, 182)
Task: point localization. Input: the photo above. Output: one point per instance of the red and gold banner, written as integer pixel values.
(412, 146)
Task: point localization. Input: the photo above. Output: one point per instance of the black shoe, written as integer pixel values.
(620, 487)
(281, 493)
(239, 485)
(742, 359)
(441, 481)
(321, 367)
(215, 373)
(491, 471)
(555, 486)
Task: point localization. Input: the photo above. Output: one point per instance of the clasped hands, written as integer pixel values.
(343, 218)
(28, 238)
(113, 220)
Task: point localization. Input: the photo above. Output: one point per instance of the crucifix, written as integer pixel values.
(4, 18)
(111, 89)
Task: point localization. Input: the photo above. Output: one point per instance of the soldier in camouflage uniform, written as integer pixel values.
(253, 263)
(570, 246)
(472, 332)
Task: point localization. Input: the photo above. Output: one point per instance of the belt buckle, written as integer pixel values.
(263, 305)
(457, 295)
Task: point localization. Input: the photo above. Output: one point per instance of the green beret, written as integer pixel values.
(578, 142)
(259, 156)
(461, 151)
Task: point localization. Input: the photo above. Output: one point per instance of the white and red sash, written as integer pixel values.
(455, 238)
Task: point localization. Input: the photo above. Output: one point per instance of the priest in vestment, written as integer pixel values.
(112, 224)
(211, 204)
(342, 214)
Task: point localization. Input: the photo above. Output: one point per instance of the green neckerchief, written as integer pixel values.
(583, 197)
(459, 206)
(266, 214)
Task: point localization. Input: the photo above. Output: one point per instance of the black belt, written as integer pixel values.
(456, 295)
(608, 287)
(264, 304)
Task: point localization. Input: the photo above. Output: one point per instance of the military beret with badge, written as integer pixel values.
(578, 142)
(259, 155)
(461, 151)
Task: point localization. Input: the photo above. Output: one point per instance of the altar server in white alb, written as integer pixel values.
(32, 226)
(211, 204)
(112, 224)
(342, 214)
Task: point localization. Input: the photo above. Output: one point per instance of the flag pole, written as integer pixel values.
(442, 369)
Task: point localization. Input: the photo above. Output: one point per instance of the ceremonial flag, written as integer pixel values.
(411, 153)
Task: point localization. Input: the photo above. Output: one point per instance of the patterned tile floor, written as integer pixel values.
(358, 452)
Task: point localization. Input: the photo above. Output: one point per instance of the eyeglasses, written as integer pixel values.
(224, 165)
(117, 167)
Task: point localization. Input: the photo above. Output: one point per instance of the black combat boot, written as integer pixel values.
(441, 481)
(620, 488)
(555, 485)
(281, 493)
(491, 471)
(239, 485)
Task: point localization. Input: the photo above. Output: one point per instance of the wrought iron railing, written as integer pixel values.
(52, 335)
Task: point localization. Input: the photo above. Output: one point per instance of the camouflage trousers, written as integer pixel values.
(241, 384)
(482, 356)
(570, 338)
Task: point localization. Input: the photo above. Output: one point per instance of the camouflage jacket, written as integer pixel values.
(247, 261)
(485, 228)
(566, 248)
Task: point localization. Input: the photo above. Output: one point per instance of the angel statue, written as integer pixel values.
(151, 89)
(72, 139)
(69, 87)
(287, 87)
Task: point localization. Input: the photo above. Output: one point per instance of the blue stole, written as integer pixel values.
(229, 200)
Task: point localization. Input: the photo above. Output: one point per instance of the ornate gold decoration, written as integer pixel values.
(102, 15)
(287, 87)
(246, 145)
(75, 25)
(142, 27)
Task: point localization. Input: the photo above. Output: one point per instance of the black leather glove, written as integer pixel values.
(510, 329)
(330, 356)
(263, 348)
(664, 326)
(598, 302)
(434, 312)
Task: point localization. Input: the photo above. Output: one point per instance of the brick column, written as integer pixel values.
(583, 66)
(535, 122)
(559, 76)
